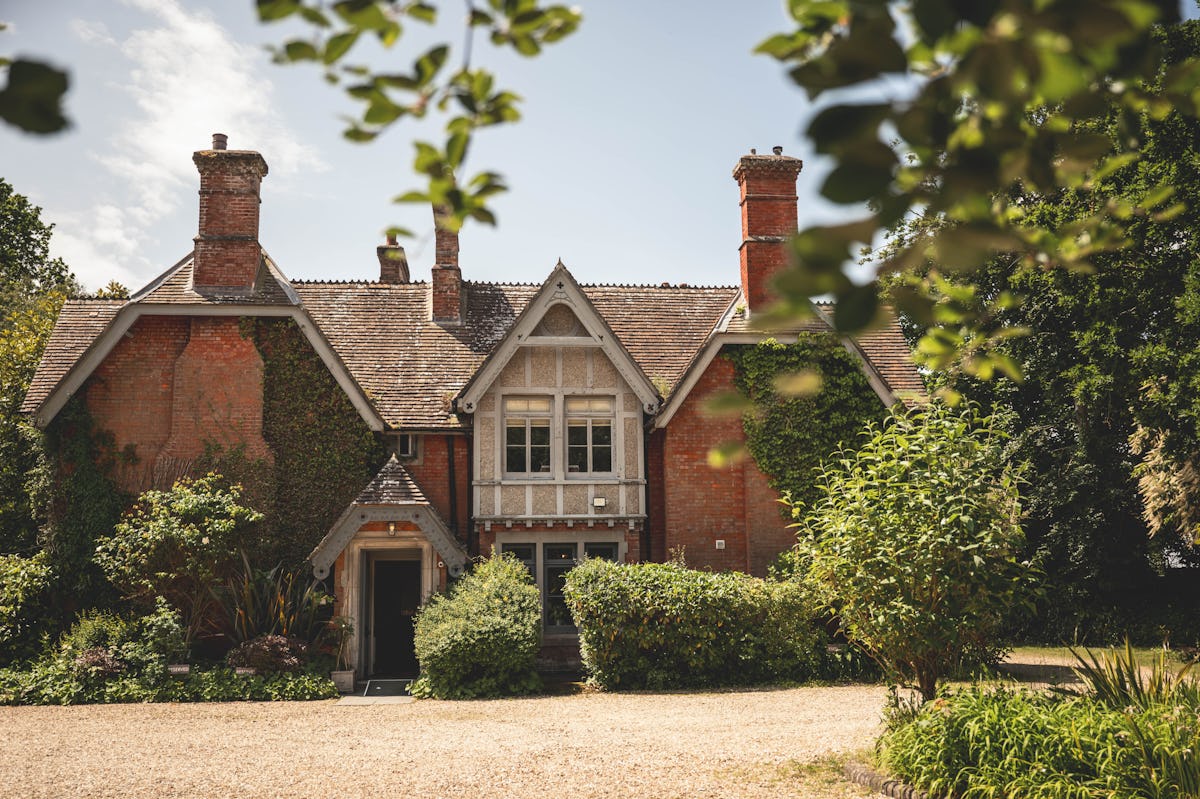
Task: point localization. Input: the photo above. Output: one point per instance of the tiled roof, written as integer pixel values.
(174, 287)
(79, 324)
(392, 486)
(889, 353)
(411, 369)
(663, 327)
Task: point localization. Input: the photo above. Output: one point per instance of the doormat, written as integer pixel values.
(386, 688)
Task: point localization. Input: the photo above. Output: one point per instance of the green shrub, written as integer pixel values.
(482, 637)
(24, 586)
(1118, 680)
(177, 544)
(660, 625)
(914, 543)
(103, 657)
(981, 742)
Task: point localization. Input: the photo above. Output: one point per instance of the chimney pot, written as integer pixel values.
(220, 141)
(777, 150)
(753, 151)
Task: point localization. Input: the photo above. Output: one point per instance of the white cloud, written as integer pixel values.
(187, 78)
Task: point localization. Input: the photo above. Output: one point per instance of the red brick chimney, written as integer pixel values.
(446, 285)
(228, 254)
(767, 184)
(393, 262)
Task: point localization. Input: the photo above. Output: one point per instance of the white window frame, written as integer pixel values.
(589, 416)
(528, 416)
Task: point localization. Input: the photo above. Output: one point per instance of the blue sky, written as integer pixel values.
(621, 165)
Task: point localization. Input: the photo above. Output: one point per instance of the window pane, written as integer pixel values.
(603, 551)
(577, 459)
(559, 559)
(516, 404)
(515, 459)
(601, 433)
(524, 553)
(515, 433)
(560, 552)
(539, 404)
(539, 458)
(590, 405)
(602, 459)
(577, 432)
(539, 432)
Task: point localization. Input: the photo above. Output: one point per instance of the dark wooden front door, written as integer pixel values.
(395, 596)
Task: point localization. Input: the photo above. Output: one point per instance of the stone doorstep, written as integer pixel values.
(354, 699)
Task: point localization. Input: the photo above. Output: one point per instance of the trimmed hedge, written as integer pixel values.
(481, 639)
(660, 625)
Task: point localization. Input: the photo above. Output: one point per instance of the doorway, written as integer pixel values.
(395, 596)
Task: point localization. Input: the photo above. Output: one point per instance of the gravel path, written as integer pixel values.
(720, 744)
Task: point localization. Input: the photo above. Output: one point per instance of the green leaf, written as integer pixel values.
(270, 10)
(32, 100)
(300, 50)
(339, 45)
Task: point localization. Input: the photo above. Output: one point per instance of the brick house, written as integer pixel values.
(552, 421)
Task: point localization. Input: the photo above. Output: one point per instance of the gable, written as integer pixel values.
(560, 315)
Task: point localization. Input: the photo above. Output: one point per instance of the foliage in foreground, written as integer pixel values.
(106, 658)
(914, 543)
(481, 638)
(1133, 731)
(661, 625)
(994, 742)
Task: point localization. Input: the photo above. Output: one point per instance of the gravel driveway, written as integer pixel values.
(720, 744)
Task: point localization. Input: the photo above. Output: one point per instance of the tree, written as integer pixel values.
(33, 287)
(914, 542)
(999, 96)
(1107, 409)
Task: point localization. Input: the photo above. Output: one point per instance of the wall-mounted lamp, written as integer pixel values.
(391, 528)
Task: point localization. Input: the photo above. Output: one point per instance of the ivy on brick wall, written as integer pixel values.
(789, 434)
(324, 452)
(75, 486)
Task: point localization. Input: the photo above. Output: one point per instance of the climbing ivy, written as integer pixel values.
(324, 452)
(74, 484)
(789, 433)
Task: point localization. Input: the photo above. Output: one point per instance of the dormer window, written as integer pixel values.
(527, 435)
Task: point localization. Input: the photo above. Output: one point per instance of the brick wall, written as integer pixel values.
(702, 504)
(171, 386)
(432, 473)
(131, 395)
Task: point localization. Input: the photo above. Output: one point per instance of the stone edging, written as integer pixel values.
(857, 772)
